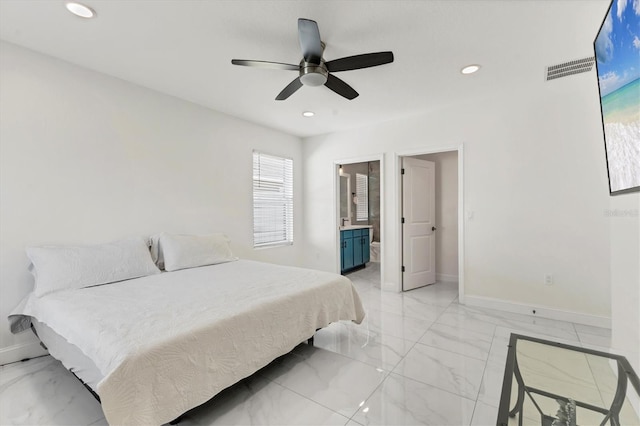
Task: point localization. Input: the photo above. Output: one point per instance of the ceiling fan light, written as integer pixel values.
(313, 75)
(308, 114)
(313, 79)
(80, 10)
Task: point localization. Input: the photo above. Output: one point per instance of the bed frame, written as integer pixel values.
(95, 395)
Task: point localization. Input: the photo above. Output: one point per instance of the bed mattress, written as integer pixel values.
(69, 355)
(166, 343)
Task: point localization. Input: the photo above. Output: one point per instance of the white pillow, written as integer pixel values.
(63, 267)
(190, 251)
(156, 253)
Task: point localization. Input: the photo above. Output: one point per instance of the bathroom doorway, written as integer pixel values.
(359, 225)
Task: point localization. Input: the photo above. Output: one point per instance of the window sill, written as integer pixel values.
(272, 245)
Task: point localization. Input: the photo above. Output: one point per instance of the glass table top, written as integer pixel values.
(548, 383)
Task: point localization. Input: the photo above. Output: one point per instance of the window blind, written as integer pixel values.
(272, 200)
(362, 193)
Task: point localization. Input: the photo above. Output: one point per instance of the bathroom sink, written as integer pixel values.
(347, 227)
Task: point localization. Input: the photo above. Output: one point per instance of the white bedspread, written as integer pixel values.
(167, 343)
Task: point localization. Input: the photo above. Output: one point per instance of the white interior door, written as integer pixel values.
(418, 212)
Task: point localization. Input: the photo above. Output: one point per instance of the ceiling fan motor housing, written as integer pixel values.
(313, 74)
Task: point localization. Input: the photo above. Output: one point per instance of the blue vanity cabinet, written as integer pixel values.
(354, 248)
(366, 247)
(357, 247)
(346, 244)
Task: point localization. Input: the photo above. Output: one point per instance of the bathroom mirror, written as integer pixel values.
(345, 191)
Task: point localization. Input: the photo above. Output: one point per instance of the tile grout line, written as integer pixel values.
(418, 341)
(575, 330)
(388, 373)
(404, 356)
(318, 403)
(439, 315)
(475, 406)
(307, 398)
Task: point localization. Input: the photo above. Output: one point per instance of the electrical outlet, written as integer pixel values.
(548, 279)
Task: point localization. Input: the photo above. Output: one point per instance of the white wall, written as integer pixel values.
(446, 213)
(624, 216)
(87, 158)
(535, 180)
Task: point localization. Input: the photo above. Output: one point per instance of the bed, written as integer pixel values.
(159, 345)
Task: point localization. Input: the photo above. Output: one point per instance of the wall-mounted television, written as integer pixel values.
(617, 51)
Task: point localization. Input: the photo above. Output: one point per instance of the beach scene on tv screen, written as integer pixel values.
(617, 49)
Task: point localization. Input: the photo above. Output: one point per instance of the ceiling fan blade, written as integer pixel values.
(289, 90)
(266, 64)
(310, 43)
(340, 87)
(360, 61)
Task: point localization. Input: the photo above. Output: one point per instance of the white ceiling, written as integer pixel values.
(184, 48)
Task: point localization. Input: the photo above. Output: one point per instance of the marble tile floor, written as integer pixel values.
(418, 358)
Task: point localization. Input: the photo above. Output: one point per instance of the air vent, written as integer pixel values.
(569, 68)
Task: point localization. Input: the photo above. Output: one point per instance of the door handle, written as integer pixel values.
(433, 228)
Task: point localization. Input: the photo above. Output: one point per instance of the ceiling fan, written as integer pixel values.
(313, 69)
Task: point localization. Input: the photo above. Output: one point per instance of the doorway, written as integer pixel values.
(431, 208)
(359, 219)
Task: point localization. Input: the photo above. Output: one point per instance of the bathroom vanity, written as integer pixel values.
(354, 247)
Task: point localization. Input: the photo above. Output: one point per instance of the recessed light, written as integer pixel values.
(80, 10)
(308, 114)
(470, 69)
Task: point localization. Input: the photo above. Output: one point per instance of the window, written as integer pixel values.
(272, 200)
(362, 194)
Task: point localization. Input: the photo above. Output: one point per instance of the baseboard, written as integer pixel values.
(448, 278)
(541, 311)
(21, 351)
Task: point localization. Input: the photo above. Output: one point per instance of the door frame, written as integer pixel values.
(398, 213)
(336, 205)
